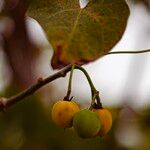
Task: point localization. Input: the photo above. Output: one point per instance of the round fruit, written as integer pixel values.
(63, 113)
(106, 120)
(86, 123)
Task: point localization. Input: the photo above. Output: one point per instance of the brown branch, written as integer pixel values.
(7, 102)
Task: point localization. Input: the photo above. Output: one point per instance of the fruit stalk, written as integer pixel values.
(94, 92)
(67, 97)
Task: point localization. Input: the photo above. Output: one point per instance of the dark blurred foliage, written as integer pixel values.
(28, 126)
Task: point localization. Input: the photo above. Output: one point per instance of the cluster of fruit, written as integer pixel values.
(87, 123)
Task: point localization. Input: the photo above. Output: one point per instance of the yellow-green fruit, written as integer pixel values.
(106, 120)
(63, 113)
(86, 123)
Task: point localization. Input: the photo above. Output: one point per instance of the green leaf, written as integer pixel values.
(80, 35)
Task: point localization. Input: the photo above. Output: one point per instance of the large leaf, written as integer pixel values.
(80, 35)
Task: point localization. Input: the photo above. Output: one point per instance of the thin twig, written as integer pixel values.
(129, 52)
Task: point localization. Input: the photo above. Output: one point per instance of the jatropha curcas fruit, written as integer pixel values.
(106, 120)
(63, 113)
(86, 123)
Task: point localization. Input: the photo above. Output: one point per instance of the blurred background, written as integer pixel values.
(123, 82)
